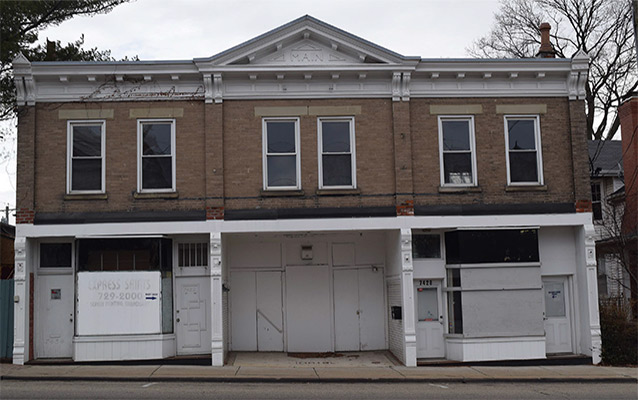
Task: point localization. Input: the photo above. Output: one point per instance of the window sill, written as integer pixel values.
(156, 195)
(86, 196)
(526, 188)
(338, 192)
(460, 189)
(282, 193)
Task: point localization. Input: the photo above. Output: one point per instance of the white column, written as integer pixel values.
(21, 303)
(407, 286)
(217, 325)
(592, 293)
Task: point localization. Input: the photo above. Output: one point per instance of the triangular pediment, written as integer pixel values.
(304, 42)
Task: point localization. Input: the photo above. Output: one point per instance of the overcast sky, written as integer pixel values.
(187, 29)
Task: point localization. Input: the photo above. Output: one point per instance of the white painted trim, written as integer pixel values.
(537, 142)
(304, 225)
(472, 150)
(264, 154)
(141, 122)
(69, 151)
(353, 157)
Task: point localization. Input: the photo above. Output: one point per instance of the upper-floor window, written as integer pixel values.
(523, 144)
(281, 161)
(85, 163)
(457, 155)
(596, 201)
(156, 156)
(337, 164)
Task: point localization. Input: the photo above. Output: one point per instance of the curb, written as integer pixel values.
(319, 380)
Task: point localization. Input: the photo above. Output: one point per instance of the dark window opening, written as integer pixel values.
(55, 255)
(484, 246)
(124, 254)
(596, 202)
(426, 246)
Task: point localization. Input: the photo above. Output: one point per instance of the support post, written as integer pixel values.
(217, 323)
(21, 303)
(407, 286)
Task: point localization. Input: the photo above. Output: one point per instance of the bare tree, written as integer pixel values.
(601, 28)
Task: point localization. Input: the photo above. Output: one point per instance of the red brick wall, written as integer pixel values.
(629, 130)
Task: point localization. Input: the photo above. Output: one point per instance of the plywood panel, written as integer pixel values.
(346, 310)
(308, 309)
(243, 311)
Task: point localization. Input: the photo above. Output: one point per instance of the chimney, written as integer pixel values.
(50, 55)
(546, 50)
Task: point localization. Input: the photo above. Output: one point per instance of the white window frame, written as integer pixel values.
(140, 123)
(472, 150)
(352, 152)
(265, 154)
(537, 141)
(69, 158)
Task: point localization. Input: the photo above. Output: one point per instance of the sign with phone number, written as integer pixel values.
(118, 303)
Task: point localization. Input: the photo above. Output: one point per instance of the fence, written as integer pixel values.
(6, 318)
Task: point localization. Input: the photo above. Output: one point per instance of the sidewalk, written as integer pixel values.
(183, 373)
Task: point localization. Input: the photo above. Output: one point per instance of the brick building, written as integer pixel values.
(305, 191)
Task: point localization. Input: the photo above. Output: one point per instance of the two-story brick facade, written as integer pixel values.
(305, 191)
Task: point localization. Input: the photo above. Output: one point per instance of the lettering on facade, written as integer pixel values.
(306, 55)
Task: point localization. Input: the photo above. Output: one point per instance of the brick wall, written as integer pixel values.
(121, 159)
(243, 178)
(219, 157)
(491, 154)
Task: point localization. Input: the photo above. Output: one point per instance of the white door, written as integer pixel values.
(359, 309)
(429, 319)
(54, 325)
(270, 334)
(192, 315)
(372, 309)
(308, 309)
(558, 332)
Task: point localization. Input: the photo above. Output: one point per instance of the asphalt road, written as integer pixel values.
(369, 391)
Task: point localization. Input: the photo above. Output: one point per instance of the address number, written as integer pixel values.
(427, 282)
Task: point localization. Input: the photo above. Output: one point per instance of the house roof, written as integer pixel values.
(7, 230)
(605, 157)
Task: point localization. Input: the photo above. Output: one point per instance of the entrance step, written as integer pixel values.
(558, 359)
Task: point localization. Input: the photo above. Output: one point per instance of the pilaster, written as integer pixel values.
(402, 157)
(217, 323)
(214, 165)
(580, 161)
(407, 286)
(21, 303)
(25, 191)
(592, 293)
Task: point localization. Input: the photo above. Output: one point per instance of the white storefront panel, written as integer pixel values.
(118, 303)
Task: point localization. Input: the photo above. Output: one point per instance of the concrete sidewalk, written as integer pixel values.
(183, 373)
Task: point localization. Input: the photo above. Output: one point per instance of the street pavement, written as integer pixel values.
(10, 390)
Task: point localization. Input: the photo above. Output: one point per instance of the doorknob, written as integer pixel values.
(177, 319)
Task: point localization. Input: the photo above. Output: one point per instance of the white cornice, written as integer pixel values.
(214, 79)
